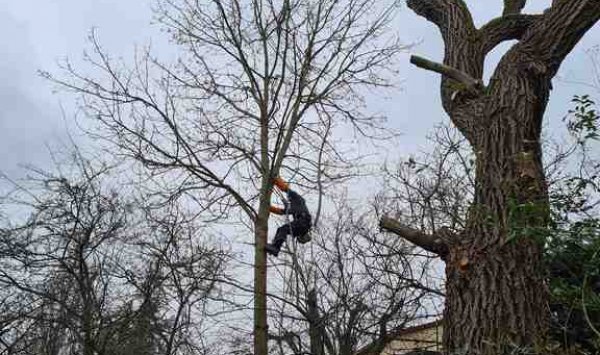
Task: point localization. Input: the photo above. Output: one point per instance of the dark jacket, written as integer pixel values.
(297, 206)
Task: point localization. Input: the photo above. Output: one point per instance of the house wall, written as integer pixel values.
(424, 339)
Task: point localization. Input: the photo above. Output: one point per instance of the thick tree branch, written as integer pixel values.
(513, 6)
(452, 17)
(553, 37)
(431, 243)
(505, 28)
(462, 48)
(471, 84)
(433, 10)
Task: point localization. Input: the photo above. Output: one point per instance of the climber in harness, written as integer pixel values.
(299, 227)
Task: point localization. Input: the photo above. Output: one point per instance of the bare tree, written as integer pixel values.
(352, 292)
(85, 271)
(495, 288)
(258, 91)
(430, 191)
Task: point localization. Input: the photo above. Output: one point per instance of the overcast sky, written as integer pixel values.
(35, 34)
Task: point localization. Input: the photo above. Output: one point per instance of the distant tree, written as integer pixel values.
(351, 290)
(257, 92)
(85, 270)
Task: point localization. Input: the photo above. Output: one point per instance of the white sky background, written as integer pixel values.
(35, 34)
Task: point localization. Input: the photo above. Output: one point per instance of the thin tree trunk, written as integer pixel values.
(316, 330)
(261, 230)
(260, 287)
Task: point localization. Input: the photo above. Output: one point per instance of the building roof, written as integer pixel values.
(397, 334)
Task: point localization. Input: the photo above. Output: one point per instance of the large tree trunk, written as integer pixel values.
(495, 279)
(496, 295)
(495, 286)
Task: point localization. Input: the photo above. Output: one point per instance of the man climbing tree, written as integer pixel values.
(496, 298)
(299, 227)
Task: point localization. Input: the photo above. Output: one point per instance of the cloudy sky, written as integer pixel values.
(36, 34)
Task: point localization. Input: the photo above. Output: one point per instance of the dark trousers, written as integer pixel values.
(297, 228)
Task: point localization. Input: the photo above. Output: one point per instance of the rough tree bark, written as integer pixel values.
(495, 291)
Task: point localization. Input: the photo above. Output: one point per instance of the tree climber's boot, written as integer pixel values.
(272, 249)
(281, 184)
(280, 236)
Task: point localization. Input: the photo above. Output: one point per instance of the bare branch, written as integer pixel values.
(431, 243)
(475, 86)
